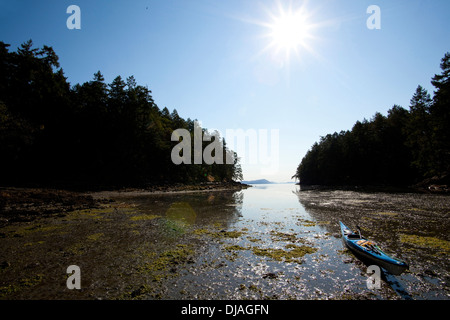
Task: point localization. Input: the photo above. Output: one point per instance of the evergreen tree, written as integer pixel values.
(401, 148)
(91, 134)
(440, 117)
(419, 134)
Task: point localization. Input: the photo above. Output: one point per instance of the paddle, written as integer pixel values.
(359, 231)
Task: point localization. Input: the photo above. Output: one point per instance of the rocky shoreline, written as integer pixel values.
(437, 184)
(434, 185)
(26, 204)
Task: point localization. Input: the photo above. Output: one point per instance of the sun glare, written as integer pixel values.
(289, 31)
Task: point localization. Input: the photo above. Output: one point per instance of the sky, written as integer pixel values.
(288, 71)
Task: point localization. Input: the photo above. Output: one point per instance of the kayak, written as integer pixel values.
(371, 252)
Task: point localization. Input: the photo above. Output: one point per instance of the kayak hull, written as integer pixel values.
(370, 252)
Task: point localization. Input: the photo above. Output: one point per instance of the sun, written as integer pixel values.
(290, 31)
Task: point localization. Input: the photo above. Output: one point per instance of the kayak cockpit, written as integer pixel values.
(352, 235)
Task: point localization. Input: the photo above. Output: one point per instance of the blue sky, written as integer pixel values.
(211, 59)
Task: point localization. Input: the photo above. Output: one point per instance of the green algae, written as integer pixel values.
(283, 236)
(176, 256)
(255, 289)
(235, 248)
(126, 208)
(218, 225)
(80, 247)
(169, 258)
(21, 231)
(181, 211)
(29, 244)
(251, 239)
(163, 266)
(306, 223)
(293, 255)
(426, 242)
(173, 228)
(200, 232)
(95, 236)
(230, 234)
(144, 217)
(218, 234)
(76, 249)
(20, 285)
(391, 214)
(96, 214)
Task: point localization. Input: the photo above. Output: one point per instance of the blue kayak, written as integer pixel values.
(371, 252)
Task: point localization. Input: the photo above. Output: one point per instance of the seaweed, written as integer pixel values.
(426, 242)
(293, 255)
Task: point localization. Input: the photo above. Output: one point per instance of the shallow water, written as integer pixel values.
(265, 242)
(278, 217)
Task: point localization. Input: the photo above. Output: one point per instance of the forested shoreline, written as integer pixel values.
(56, 134)
(403, 148)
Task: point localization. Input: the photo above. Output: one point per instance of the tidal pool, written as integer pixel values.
(264, 242)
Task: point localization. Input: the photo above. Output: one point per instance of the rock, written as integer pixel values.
(137, 292)
(436, 184)
(270, 275)
(4, 265)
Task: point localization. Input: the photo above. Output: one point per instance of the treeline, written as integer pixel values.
(52, 133)
(400, 149)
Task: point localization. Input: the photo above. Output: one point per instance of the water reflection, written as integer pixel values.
(181, 212)
(396, 285)
(199, 208)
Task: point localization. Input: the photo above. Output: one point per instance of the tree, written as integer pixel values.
(419, 134)
(373, 152)
(440, 117)
(89, 134)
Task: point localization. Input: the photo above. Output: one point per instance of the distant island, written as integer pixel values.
(260, 181)
(264, 181)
